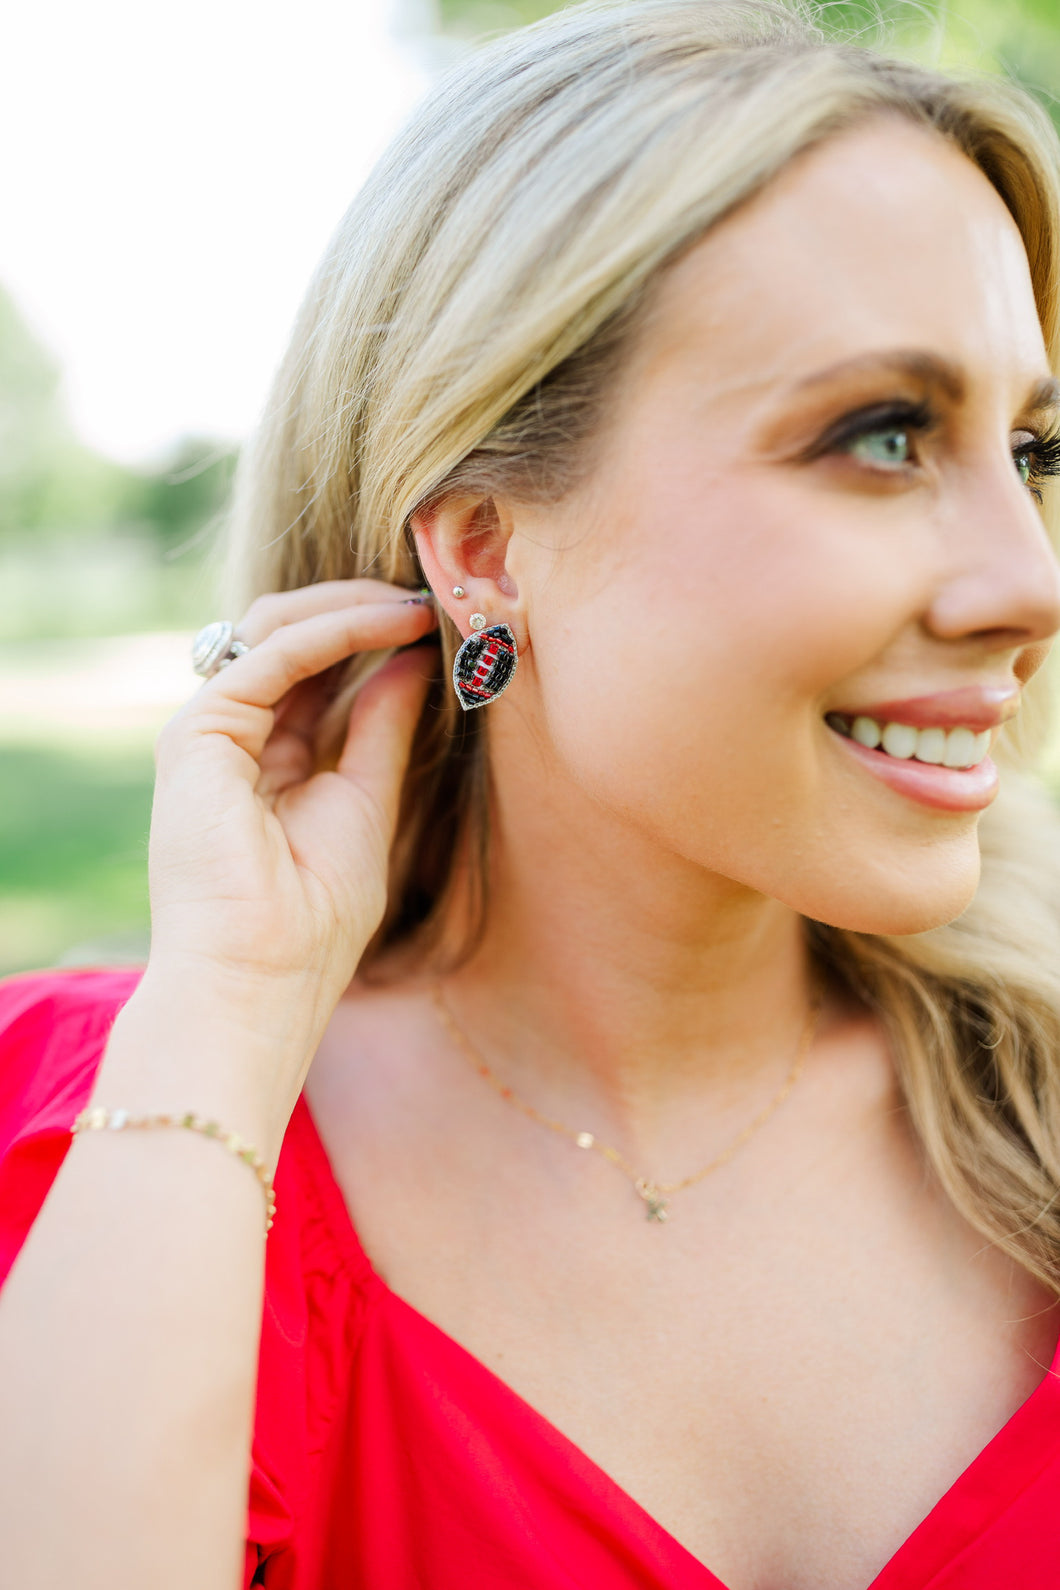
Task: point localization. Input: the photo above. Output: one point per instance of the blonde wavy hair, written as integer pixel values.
(461, 334)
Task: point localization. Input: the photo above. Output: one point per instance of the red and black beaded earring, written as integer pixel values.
(485, 663)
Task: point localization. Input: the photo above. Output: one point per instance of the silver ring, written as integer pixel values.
(214, 647)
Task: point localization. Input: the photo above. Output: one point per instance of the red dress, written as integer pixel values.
(387, 1457)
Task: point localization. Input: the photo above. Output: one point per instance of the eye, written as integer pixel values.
(1036, 458)
(887, 445)
(884, 437)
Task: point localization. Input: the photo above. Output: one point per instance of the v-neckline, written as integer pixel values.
(1009, 1462)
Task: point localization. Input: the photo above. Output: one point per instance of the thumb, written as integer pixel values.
(382, 724)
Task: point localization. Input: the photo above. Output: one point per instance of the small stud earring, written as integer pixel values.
(478, 621)
(458, 590)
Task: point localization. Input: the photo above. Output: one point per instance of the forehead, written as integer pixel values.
(883, 236)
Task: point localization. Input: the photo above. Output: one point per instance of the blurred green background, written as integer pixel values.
(103, 571)
(106, 571)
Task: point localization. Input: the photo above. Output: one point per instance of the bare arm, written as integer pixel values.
(129, 1336)
(129, 1325)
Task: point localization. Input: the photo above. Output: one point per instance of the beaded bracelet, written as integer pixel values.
(96, 1118)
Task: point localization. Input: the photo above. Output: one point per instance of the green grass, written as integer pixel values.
(73, 853)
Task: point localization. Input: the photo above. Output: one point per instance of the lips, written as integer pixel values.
(932, 748)
(948, 789)
(975, 707)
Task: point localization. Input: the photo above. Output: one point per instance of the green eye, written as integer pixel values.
(888, 446)
(1025, 467)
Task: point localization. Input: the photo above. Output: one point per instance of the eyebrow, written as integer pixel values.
(932, 370)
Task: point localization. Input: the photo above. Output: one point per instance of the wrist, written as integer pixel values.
(216, 1046)
(268, 1009)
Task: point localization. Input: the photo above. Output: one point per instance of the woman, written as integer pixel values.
(667, 1145)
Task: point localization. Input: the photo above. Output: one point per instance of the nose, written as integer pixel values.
(1001, 579)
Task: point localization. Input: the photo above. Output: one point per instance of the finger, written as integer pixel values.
(276, 608)
(299, 711)
(293, 749)
(287, 759)
(290, 755)
(298, 651)
(238, 702)
(382, 724)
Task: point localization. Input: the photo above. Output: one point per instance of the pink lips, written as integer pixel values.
(948, 789)
(976, 707)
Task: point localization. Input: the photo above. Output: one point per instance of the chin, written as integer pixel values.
(906, 899)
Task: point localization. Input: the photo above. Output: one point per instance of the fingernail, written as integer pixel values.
(417, 601)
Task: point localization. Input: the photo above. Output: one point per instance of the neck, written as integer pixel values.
(620, 987)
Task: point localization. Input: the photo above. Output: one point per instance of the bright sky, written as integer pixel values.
(172, 174)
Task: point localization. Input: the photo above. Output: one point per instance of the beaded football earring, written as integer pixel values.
(485, 663)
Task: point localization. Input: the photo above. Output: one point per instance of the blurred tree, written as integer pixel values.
(179, 503)
(87, 545)
(47, 478)
(32, 424)
(1018, 38)
(473, 17)
(50, 483)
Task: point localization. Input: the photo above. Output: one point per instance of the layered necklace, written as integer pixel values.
(654, 1194)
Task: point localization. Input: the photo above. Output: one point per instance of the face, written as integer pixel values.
(813, 521)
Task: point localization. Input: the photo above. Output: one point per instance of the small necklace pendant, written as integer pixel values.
(656, 1205)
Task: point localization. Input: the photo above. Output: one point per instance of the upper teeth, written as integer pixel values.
(943, 747)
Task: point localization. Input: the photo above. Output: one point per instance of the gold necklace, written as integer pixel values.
(655, 1194)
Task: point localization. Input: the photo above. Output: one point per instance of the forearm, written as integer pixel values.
(129, 1326)
(130, 1323)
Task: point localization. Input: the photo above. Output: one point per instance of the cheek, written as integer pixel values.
(686, 694)
(721, 642)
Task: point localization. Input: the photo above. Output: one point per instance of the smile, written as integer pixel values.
(939, 747)
(949, 769)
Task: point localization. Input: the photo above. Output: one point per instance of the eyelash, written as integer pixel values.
(1045, 450)
(919, 418)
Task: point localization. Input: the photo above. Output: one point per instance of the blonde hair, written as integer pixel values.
(460, 335)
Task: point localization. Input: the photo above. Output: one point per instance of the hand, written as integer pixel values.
(261, 869)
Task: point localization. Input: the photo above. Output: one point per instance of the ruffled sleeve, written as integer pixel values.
(53, 1030)
(54, 1027)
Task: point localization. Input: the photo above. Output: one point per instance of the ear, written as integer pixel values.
(463, 541)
